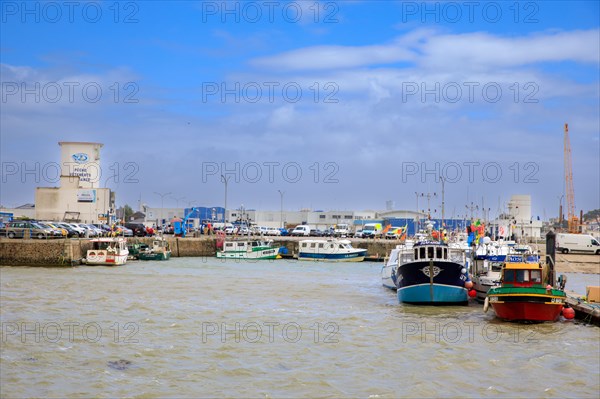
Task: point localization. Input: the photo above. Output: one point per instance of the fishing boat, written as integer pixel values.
(432, 273)
(525, 292)
(107, 251)
(159, 250)
(248, 249)
(330, 250)
(135, 249)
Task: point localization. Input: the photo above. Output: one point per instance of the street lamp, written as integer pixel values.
(225, 180)
(162, 205)
(281, 212)
(560, 210)
(177, 200)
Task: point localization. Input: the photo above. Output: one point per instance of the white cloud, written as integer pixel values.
(429, 49)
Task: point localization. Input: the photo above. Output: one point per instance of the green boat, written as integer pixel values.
(135, 249)
(160, 250)
(249, 249)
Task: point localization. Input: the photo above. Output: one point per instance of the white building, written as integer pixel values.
(518, 221)
(78, 197)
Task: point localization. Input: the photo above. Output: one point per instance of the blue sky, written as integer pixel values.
(361, 98)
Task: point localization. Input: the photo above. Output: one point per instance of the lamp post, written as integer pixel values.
(225, 180)
(560, 210)
(177, 201)
(162, 205)
(281, 211)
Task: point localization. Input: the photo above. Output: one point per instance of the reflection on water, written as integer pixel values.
(195, 327)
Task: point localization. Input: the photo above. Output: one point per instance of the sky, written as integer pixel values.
(339, 105)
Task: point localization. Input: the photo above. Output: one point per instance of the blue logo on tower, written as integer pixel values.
(80, 157)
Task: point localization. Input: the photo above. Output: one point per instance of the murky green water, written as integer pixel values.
(206, 328)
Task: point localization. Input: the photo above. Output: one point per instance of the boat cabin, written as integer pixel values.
(108, 244)
(324, 245)
(523, 275)
(427, 251)
(236, 246)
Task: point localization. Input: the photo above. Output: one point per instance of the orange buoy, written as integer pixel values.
(472, 293)
(568, 313)
(468, 284)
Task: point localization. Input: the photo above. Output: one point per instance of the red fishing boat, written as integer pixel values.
(525, 292)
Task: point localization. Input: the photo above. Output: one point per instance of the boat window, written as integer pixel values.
(321, 245)
(313, 245)
(438, 252)
(422, 253)
(241, 244)
(509, 275)
(536, 276)
(416, 253)
(521, 276)
(445, 253)
(430, 252)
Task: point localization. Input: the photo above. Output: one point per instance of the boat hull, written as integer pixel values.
(271, 253)
(388, 277)
(154, 256)
(101, 258)
(439, 282)
(482, 285)
(526, 307)
(430, 294)
(357, 256)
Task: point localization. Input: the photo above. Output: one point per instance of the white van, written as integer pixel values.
(301, 230)
(372, 230)
(341, 230)
(567, 243)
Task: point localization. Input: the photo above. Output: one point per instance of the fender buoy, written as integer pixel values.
(486, 304)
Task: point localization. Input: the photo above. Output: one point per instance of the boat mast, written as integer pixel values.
(442, 226)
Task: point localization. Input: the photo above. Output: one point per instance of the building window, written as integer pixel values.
(321, 216)
(348, 217)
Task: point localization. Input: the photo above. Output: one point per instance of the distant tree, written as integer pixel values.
(127, 212)
(124, 213)
(592, 215)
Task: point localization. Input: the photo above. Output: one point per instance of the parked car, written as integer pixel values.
(106, 230)
(55, 232)
(302, 230)
(80, 230)
(125, 232)
(138, 229)
(394, 233)
(22, 229)
(273, 231)
(98, 232)
(358, 234)
(71, 232)
(315, 233)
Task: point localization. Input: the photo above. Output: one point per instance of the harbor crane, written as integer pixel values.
(573, 220)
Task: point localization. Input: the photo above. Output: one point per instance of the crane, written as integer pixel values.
(572, 219)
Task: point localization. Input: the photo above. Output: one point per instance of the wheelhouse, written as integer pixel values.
(523, 275)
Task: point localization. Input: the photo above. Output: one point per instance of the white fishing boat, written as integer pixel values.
(487, 261)
(330, 250)
(248, 249)
(107, 251)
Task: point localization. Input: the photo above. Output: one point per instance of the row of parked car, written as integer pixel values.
(50, 229)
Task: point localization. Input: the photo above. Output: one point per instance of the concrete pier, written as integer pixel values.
(69, 252)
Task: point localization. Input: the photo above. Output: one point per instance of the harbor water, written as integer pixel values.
(203, 327)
